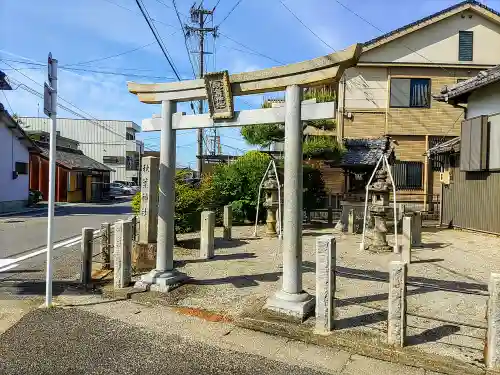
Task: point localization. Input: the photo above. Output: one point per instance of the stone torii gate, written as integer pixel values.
(219, 89)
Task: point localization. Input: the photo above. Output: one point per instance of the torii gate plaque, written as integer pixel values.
(219, 88)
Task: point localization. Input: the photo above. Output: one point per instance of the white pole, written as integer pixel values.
(52, 179)
(362, 245)
(280, 232)
(396, 248)
(258, 198)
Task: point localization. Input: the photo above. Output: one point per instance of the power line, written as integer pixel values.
(112, 56)
(130, 10)
(183, 33)
(231, 11)
(5, 95)
(379, 29)
(158, 39)
(117, 74)
(249, 48)
(307, 27)
(215, 6)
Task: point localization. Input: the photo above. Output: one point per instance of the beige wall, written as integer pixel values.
(438, 43)
(366, 87)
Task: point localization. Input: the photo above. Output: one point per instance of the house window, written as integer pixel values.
(130, 137)
(21, 168)
(79, 181)
(408, 175)
(113, 159)
(410, 93)
(465, 45)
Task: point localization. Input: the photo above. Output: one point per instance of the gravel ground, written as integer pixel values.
(447, 291)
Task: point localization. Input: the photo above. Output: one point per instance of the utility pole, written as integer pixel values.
(198, 17)
(50, 109)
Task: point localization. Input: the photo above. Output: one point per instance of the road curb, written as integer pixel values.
(34, 210)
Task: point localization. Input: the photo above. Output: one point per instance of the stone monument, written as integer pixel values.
(144, 251)
(271, 202)
(380, 190)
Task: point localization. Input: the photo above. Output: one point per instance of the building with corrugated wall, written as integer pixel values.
(110, 142)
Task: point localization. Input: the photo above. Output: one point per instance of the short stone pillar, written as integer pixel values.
(227, 222)
(408, 224)
(325, 283)
(396, 317)
(149, 199)
(350, 222)
(122, 254)
(416, 230)
(86, 255)
(106, 246)
(492, 349)
(207, 235)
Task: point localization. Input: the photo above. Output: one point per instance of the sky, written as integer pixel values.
(85, 36)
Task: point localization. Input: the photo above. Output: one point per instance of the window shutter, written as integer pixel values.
(465, 145)
(465, 45)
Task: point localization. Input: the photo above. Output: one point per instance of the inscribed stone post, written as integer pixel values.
(416, 230)
(407, 239)
(396, 317)
(106, 246)
(228, 222)
(207, 235)
(493, 334)
(149, 199)
(122, 254)
(350, 222)
(325, 283)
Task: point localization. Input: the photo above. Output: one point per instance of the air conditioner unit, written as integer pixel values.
(444, 177)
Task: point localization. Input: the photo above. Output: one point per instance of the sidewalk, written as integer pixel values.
(96, 336)
(447, 291)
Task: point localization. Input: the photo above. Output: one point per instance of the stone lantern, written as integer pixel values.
(380, 190)
(271, 202)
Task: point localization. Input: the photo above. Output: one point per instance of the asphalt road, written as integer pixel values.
(26, 234)
(72, 341)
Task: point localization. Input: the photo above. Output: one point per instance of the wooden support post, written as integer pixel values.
(86, 255)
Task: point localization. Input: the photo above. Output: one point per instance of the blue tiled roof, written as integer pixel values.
(363, 152)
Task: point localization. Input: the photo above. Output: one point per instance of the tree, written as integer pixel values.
(315, 146)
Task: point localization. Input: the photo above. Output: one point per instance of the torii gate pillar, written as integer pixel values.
(291, 299)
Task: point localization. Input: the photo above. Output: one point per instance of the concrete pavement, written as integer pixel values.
(94, 336)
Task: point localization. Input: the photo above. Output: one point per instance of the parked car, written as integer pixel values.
(129, 184)
(116, 190)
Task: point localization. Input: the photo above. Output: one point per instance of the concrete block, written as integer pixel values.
(492, 349)
(416, 229)
(325, 283)
(123, 254)
(144, 256)
(207, 235)
(407, 239)
(228, 222)
(87, 243)
(396, 318)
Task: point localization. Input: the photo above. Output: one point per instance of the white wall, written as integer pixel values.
(106, 138)
(366, 88)
(438, 43)
(485, 101)
(11, 151)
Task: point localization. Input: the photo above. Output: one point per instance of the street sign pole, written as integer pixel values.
(52, 112)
